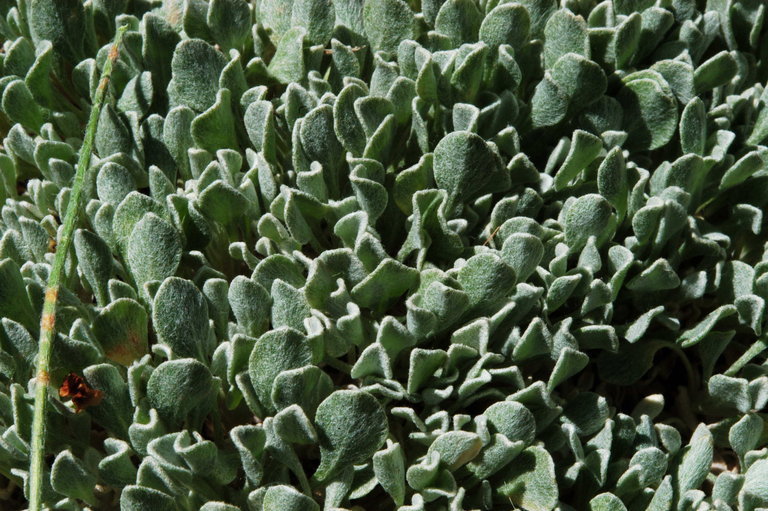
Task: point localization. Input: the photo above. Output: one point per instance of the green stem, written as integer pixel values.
(757, 347)
(48, 319)
(338, 365)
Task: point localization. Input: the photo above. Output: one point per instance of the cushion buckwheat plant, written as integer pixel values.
(375, 255)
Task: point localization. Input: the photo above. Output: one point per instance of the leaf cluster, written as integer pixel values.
(392, 254)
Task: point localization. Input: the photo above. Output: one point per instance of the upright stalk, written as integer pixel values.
(48, 319)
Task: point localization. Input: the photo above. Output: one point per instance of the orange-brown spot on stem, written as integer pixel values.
(43, 378)
(51, 294)
(49, 320)
(113, 53)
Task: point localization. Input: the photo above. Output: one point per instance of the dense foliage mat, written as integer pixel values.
(389, 254)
